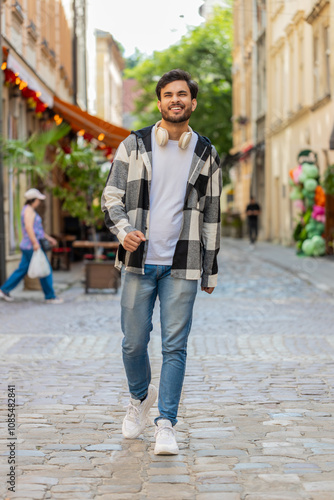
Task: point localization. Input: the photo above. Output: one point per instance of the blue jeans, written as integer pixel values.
(18, 275)
(177, 297)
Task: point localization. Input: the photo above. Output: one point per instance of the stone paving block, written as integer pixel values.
(211, 488)
(319, 486)
(218, 496)
(170, 478)
(25, 479)
(279, 495)
(119, 488)
(169, 491)
(280, 478)
(216, 477)
(69, 488)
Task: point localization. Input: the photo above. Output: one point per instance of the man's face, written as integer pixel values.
(176, 104)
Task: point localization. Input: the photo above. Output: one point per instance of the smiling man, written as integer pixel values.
(162, 201)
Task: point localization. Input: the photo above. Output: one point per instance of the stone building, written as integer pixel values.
(109, 83)
(282, 101)
(36, 41)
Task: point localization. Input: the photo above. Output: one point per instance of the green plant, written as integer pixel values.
(81, 186)
(328, 182)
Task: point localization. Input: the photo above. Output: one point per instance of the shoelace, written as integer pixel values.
(165, 431)
(132, 411)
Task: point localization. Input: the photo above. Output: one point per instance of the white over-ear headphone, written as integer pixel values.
(162, 136)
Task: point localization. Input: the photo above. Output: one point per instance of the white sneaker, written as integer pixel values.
(165, 442)
(5, 296)
(136, 416)
(56, 300)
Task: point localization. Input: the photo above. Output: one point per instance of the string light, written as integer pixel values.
(101, 137)
(81, 132)
(4, 66)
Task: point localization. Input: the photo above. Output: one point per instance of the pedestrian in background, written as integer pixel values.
(253, 211)
(162, 200)
(33, 232)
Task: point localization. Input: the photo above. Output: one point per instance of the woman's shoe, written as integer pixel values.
(5, 296)
(56, 300)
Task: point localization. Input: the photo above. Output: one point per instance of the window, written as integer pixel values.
(327, 60)
(316, 68)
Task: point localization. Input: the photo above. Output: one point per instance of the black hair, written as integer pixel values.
(173, 76)
(30, 202)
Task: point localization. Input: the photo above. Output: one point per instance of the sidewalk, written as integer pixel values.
(318, 271)
(256, 414)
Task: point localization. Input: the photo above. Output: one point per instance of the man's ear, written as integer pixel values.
(159, 106)
(193, 104)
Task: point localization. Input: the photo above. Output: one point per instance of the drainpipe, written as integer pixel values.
(74, 54)
(2, 213)
(254, 95)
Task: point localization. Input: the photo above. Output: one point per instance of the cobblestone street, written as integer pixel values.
(256, 415)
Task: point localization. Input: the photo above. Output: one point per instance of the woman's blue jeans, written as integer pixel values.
(18, 275)
(177, 297)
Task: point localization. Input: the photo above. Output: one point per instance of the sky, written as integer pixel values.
(144, 24)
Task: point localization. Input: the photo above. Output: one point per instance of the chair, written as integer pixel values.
(61, 255)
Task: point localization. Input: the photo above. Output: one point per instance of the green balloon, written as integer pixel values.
(296, 194)
(308, 247)
(319, 246)
(310, 171)
(302, 177)
(310, 185)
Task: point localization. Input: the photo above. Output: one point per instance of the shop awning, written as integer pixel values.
(109, 134)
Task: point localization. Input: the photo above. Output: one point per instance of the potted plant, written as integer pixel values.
(80, 191)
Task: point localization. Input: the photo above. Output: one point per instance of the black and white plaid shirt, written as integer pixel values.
(126, 205)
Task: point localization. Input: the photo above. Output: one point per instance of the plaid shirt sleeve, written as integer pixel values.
(113, 196)
(211, 226)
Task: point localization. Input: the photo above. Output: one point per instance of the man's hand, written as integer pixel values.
(208, 289)
(133, 240)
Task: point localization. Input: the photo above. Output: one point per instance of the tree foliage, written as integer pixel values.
(205, 52)
(84, 179)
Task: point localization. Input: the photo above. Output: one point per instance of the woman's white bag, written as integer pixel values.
(39, 266)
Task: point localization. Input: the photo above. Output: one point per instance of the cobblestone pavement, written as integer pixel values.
(255, 420)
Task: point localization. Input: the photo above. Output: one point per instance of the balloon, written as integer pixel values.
(310, 170)
(308, 247)
(314, 228)
(310, 184)
(319, 246)
(296, 194)
(296, 174)
(299, 204)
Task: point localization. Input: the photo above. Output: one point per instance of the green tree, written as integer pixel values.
(82, 185)
(205, 52)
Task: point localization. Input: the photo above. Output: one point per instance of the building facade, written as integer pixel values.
(36, 38)
(288, 108)
(244, 111)
(109, 82)
(300, 105)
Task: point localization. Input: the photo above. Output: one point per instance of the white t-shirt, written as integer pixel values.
(170, 171)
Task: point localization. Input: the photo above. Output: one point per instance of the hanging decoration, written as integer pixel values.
(309, 199)
(33, 98)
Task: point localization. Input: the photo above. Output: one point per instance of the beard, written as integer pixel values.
(187, 111)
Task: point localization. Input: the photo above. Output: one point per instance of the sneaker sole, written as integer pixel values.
(166, 451)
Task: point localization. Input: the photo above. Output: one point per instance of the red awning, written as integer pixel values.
(81, 120)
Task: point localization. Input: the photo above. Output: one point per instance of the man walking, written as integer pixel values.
(253, 211)
(162, 201)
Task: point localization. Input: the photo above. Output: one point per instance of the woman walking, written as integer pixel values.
(33, 232)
